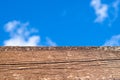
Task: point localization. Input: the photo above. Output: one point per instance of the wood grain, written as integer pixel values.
(59, 63)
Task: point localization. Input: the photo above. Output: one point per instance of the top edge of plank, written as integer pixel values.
(33, 48)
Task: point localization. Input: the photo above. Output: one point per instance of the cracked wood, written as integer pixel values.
(59, 63)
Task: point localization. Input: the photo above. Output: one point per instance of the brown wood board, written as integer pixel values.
(59, 63)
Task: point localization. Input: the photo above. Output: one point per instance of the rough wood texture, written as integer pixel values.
(59, 63)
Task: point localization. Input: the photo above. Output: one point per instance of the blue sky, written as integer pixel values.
(60, 23)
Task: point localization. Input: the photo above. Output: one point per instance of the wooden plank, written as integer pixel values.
(59, 63)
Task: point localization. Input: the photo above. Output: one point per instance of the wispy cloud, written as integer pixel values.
(100, 10)
(103, 11)
(21, 35)
(49, 42)
(115, 5)
(114, 41)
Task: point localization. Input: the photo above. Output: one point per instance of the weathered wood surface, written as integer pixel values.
(59, 63)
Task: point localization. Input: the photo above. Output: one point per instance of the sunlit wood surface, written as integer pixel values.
(59, 63)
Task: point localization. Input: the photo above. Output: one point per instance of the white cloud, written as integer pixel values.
(100, 10)
(10, 26)
(50, 42)
(103, 11)
(115, 6)
(114, 41)
(20, 35)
